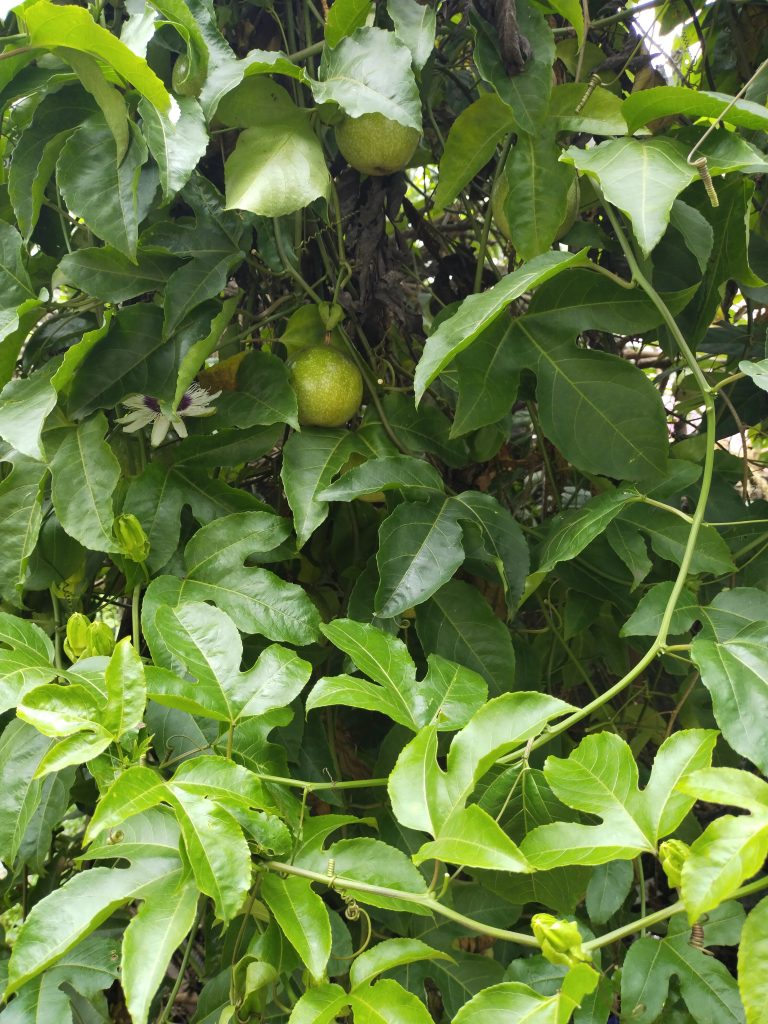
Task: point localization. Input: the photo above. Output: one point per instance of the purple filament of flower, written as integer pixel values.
(186, 401)
(151, 403)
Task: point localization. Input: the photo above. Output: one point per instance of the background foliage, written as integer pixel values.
(455, 713)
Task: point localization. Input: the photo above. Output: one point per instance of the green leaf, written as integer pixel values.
(649, 104)
(126, 691)
(571, 532)
(193, 359)
(157, 496)
(310, 461)
(221, 690)
(425, 429)
(176, 145)
(502, 539)
(386, 1002)
(419, 550)
(35, 153)
(109, 99)
(152, 937)
(731, 849)
(600, 411)
(471, 142)
(276, 169)
(757, 371)
(415, 25)
(21, 513)
(668, 535)
(344, 17)
(21, 749)
(732, 612)
(26, 657)
(229, 72)
(388, 954)
(729, 257)
(447, 695)
(458, 624)
(85, 475)
(96, 187)
(478, 311)
(369, 72)
(25, 403)
(526, 91)
(216, 849)
(134, 791)
(645, 620)
(391, 472)
(629, 544)
(82, 974)
(497, 728)
(658, 171)
(600, 777)
(517, 1003)
(51, 26)
(602, 114)
(264, 395)
(68, 914)
(736, 676)
(255, 599)
(212, 244)
(107, 274)
(471, 837)
(707, 987)
(536, 184)
(377, 863)
(488, 377)
(303, 918)
(753, 950)
(608, 889)
(320, 1005)
(572, 11)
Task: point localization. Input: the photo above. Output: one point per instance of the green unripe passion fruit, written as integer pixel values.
(374, 144)
(182, 81)
(328, 386)
(499, 198)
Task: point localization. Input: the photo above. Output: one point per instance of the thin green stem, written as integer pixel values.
(667, 508)
(15, 53)
(616, 278)
(728, 380)
(489, 215)
(697, 520)
(662, 915)
(308, 51)
(289, 268)
(521, 938)
(624, 15)
(57, 628)
(658, 302)
(423, 900)
(136, 617)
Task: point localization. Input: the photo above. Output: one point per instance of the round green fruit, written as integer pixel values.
(374, 144)
(329, 388)
(499, 198)
(183, 82)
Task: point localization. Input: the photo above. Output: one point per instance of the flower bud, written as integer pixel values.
(560, 941)
(131, 538)
(77, 636)
(101, 639)
(673, 854)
